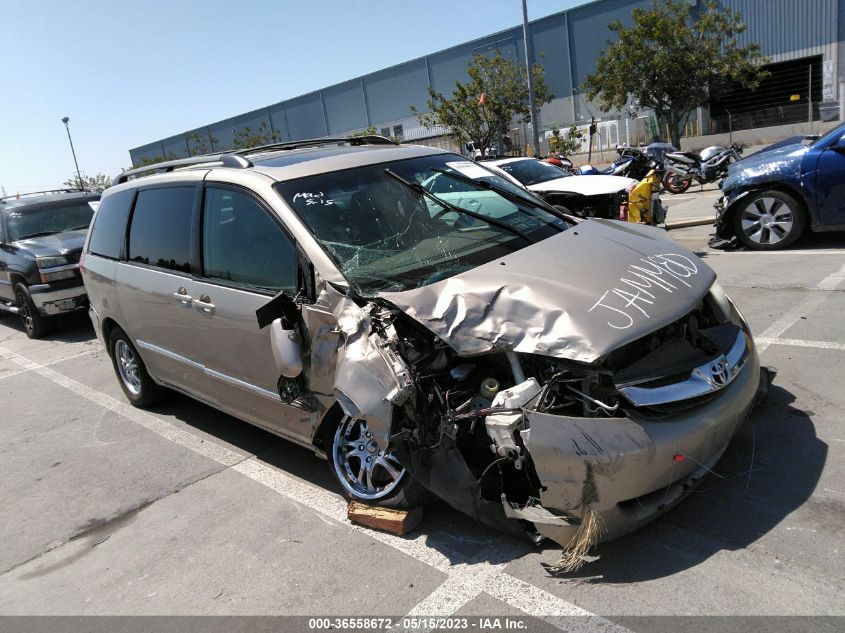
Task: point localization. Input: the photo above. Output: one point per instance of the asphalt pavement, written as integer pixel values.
(183, 510)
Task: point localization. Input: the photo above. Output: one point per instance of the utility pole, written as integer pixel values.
(535, 123)
(810, 97)
(66, 120)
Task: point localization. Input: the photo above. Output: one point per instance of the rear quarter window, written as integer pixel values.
(160, 232)
(109, 229)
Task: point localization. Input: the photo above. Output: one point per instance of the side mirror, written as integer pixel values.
(287, 350)
(282, 315)
(839, 146)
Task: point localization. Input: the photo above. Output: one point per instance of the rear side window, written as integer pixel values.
(243, 245)
(160, 234)
(109, 228)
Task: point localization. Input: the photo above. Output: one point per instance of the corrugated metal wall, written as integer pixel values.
(794, 29)
(566, 43)
(788, 29)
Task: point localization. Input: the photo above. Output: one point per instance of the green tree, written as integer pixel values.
(200, 144)
(145, 162)
(370, 131)
(246, 138)
(565, 145)
(100, 182)
(483, 108)
(673, 59)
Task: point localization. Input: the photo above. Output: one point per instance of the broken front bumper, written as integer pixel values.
(631, 470)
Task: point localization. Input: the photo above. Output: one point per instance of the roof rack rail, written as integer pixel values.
(226, 160)
(236, 158)
(39, 193)
(367, 139)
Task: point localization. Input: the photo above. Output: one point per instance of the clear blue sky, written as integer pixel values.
(127, 73)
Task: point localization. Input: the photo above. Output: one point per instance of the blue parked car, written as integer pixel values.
(771, 197)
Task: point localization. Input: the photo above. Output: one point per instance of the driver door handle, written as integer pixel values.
(204, 304)
(183, 297)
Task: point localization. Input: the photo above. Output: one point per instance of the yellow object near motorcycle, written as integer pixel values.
(644, 206)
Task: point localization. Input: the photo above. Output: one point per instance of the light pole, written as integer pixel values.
(535, 124)
(66, 120)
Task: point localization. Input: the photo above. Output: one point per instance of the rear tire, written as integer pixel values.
(769, 221)
(34, 324)
(366, 473)
(139, 388)
(675, 183)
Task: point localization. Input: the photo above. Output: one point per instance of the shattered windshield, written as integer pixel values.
(532, 172)
(406, 224)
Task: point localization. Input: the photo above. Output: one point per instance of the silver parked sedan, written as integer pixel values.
(427, 327)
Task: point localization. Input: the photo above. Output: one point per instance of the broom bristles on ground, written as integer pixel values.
(572, 556)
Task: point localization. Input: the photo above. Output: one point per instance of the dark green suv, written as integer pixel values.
(41, 238)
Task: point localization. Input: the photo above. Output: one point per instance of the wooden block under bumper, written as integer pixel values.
(395, 521)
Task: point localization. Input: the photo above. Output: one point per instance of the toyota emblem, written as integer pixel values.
(720, 372)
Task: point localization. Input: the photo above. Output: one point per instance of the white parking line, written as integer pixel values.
(464, 581)
(806, 306)
(52, 362)
(795, 342)
(832, 251)
(160, 427)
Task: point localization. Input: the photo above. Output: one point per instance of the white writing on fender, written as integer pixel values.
(642, 286)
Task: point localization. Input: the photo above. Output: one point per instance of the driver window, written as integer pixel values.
(243, 245)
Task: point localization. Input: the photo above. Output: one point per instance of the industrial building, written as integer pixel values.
(802, 38)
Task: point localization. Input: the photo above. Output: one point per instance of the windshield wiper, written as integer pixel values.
(513, 197)
(418, 188)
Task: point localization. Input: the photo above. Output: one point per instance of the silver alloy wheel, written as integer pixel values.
(361, 466)
(767, 220)
(127, 366)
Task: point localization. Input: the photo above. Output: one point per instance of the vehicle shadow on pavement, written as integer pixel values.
(769, 470)
(228, 430)
(69, 328)
(810, 240)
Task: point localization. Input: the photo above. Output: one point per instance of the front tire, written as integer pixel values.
(770, 220)
(139, 388)
(34, 324)
(365, 472)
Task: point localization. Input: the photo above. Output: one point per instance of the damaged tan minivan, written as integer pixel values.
(427, 327)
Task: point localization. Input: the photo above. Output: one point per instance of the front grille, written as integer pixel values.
(73, 258)
(672, 408)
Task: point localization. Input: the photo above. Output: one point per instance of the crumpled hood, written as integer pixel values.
(781, 161)
(577, 295)
(56, 244)
(585, 185)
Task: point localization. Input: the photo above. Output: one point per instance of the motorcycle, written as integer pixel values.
(632, 163)
(709, 166)
(563, 163)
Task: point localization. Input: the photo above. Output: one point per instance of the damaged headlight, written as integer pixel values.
(729, 311)
(720, 300)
